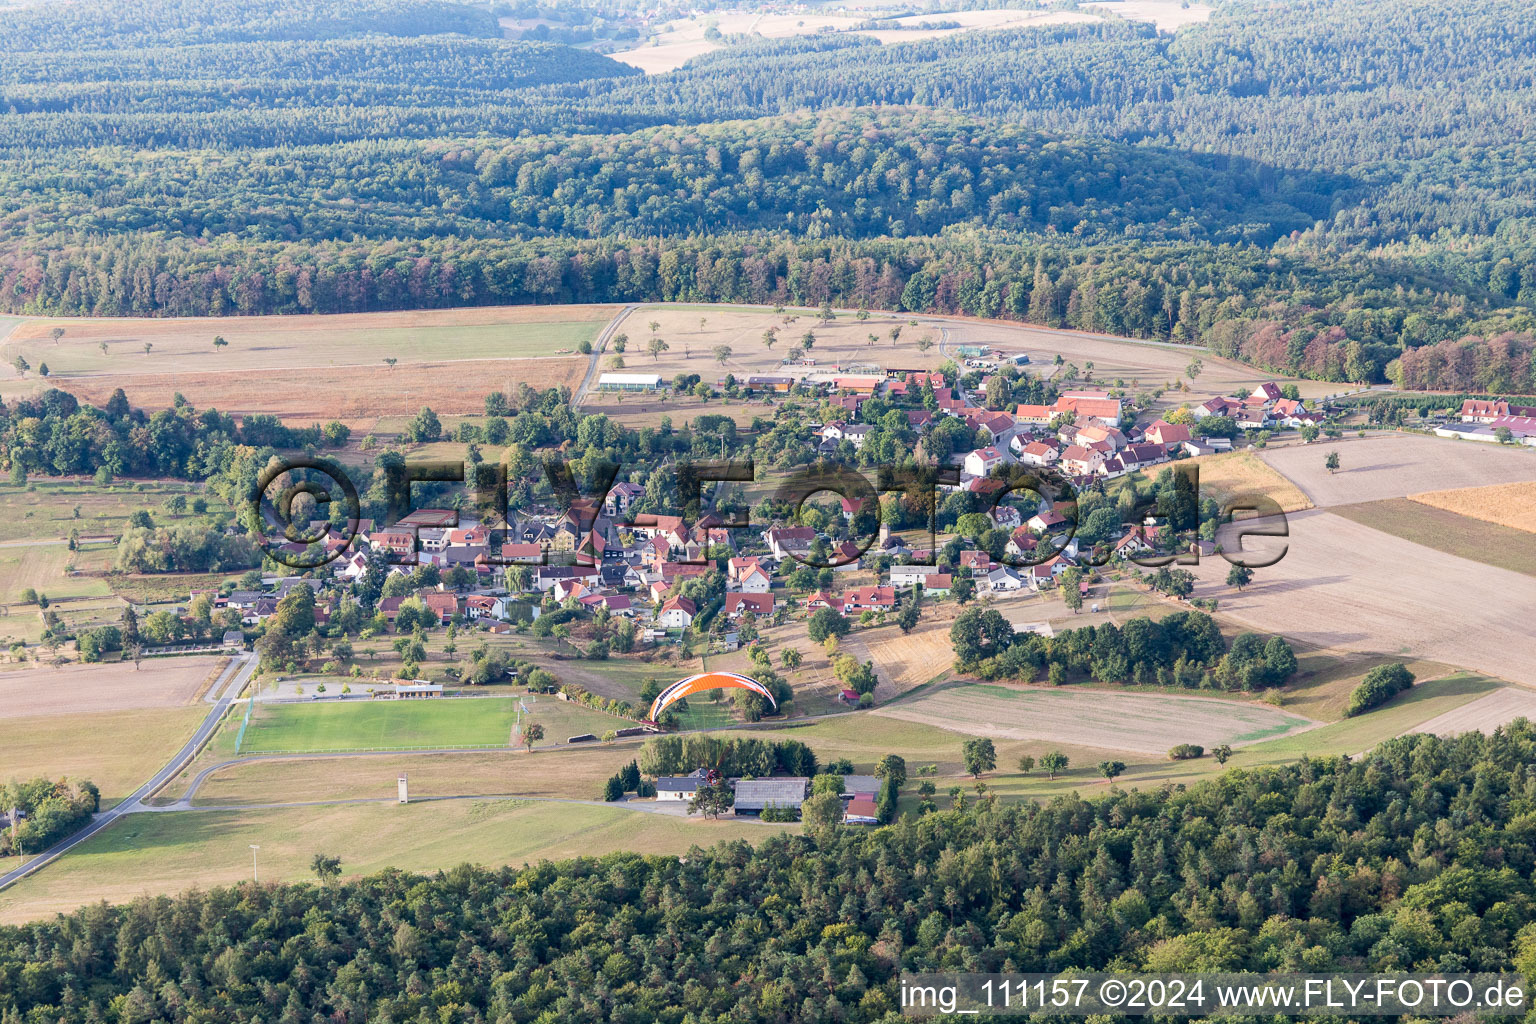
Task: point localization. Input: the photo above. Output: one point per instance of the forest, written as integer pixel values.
(1417, 856)
(1321, 188)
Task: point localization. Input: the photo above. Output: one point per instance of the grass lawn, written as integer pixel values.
(406, 724)
(1489, 543)
(117, 750)
(171, 852)
(704, 713)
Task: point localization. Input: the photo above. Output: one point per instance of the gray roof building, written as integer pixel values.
(752, 795)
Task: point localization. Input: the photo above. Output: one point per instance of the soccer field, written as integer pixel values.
(438, 723)
(369, 725)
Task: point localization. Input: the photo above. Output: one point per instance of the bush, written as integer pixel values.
(613, 789)
(773, 812)
(1380, 685)
(1185, 752)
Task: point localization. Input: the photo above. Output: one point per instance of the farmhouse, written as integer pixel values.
(629, 382)
(679, 787)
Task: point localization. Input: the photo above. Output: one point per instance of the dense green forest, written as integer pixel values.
(1315, 186)
(1416, 857)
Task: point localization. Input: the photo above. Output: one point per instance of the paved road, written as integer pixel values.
(226, 687)
(598, 348)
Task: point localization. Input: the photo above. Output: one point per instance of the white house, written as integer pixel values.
(983, 460)
(755, 580)
(911, 575)
(676, 613)
(1003, 579)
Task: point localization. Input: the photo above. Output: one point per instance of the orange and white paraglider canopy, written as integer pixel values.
(708, 681)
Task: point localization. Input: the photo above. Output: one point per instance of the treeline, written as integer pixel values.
(1414, 858)
(1183, 649)
(1181, 293)
(682, 754)
(44, 812)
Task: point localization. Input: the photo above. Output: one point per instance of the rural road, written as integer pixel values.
(226, 687)
(598, 348)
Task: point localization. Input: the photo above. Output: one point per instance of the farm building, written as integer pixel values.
(629, 382)
(861, 811)
(679, 787)
(752, 795)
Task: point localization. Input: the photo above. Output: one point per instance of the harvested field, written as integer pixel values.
(1512, 505)
(159, 683)
(1233, 473)
(905, 660)
(1458, 535)
(1345, 585)
(1397, 465)
(185, 344)
(1484, 714)
(117, 750)
(1145, 723)
(355, 395)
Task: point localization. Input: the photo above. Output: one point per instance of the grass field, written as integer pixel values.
(45, 508)
(117, 750)
(1324, 680)
(572, 773)
(155, 853)
(185, 344)
(1435, 527)
(359, 396)
(391, 724)
(1509, 505)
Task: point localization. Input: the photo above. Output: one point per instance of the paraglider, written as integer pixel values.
(708, 681)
